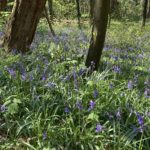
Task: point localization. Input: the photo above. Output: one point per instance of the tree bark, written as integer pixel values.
(145, 4)
(78, 13)
(3, 5)
(113, 7)
(49, 22)
(21, 28)
(91, 11)
(50, 6)
(100, 19)
(148, 13)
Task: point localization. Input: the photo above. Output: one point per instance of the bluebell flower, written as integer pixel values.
(1, 33)
(44, 77)
(14, 51)
(147, 93)
(115, 58)
(12, 72)
(50, 85)
(118, 114)
(117, 50)
(66, 110)
(130, 48)
(67, 78)
(81, 72)
(31, 77)
(79, 105)
(130, 85)
(44, 135)
(95, 93)
(23, 76)
(140, 56)
(91, 105)
(140, 120)
(3, 108)
(106, 48)
(75, 80)
(99, 128)
(117, 69)
(111, 85)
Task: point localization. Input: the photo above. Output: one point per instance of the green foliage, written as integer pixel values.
(129, 10)
(49, 101)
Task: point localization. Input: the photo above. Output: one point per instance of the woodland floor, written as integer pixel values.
(47, 101)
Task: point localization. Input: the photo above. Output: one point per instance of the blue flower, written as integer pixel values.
(44, 136)
(118, 114)
(43, 77)
(79, 105)
(92, 105)
(99, 128)
(130, 85)
(23, 76)
(3, 108)
(95, 94)
(31, 77)
(66, 110)
(11, 72)
(111, 85)
(75, 80)
(81, 72)
(140, 120)
(14, 51)
(117, 69)
(147, 93)
(50, 85)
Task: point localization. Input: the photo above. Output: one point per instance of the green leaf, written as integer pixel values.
(13, 108)
(90, 83)
(93, 116)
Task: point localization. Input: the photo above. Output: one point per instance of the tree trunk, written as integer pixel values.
(145, 4)
(113, 8)
(50, 6)
(91, 11)
(78, 13)
(49, 21)
(3, 5)
(21, 28)
(148, 13)
(100, 19)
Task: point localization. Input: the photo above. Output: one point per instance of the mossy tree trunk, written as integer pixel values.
(100, 19)
(21, 28)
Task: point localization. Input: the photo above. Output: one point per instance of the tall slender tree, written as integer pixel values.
(78, 12)
(49, 21)
(50, 6)
(100, 19)
(144, 13)
(22, 24)
(113, 7)
(148, 13)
